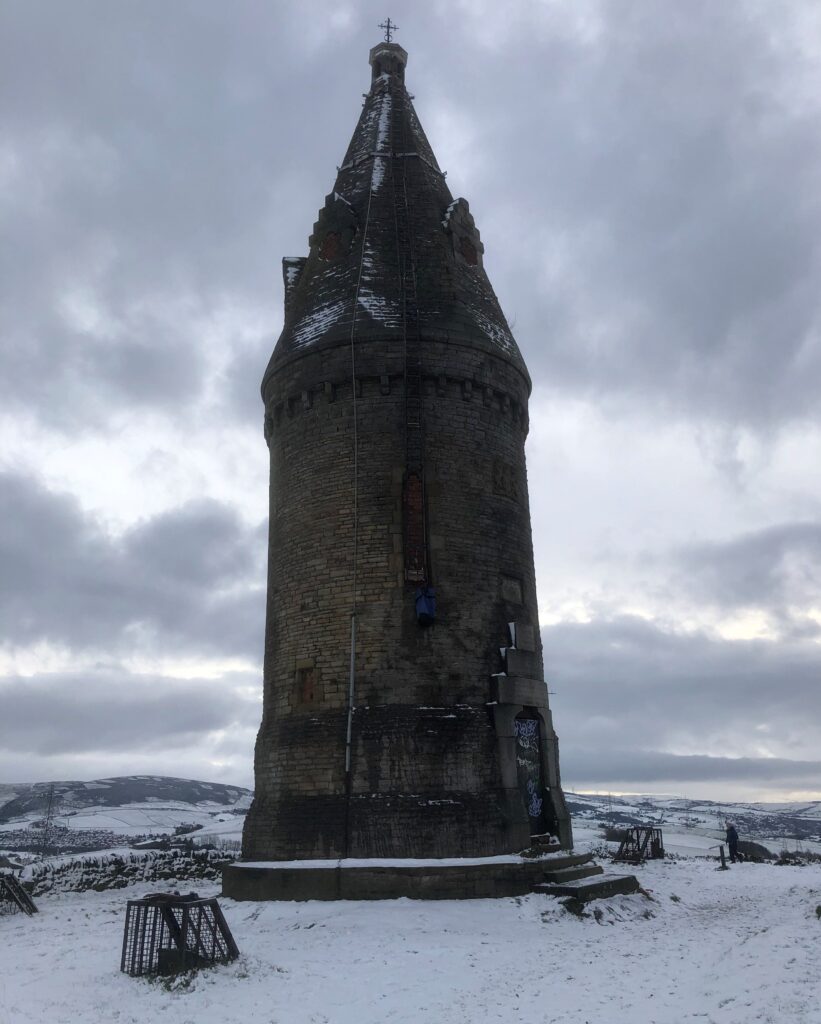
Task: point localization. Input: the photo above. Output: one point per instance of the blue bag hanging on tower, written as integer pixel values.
(425, 606)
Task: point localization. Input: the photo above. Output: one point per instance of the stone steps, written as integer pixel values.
(572, 874)
(563, 863)
(594, 888)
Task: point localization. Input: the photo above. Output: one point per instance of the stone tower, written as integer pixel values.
(405, 710)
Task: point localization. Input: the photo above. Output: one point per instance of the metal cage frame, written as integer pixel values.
(640, 842)
(166, 933)
(14, 899)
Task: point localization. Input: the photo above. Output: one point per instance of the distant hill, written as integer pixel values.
(19, 800)
(800, 822)
(9, 790)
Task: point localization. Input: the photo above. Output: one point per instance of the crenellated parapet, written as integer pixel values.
(435, 386)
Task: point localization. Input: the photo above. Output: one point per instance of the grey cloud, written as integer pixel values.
(240, 383)
(671, 691)
(631, 767)
(75, 351)
(777, 570)
(645, 180)
(664, 163)
(190, 579)
(107, 710)
(201, 544)
(151, 180)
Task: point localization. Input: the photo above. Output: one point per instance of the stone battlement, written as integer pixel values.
(434, 385)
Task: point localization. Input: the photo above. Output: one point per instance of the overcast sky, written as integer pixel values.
(645, 176)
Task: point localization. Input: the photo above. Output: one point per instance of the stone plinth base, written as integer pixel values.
(480, 878)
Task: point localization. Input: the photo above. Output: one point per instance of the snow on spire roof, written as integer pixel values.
(353, 246)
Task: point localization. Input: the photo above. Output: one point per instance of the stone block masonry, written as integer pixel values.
(470, 878)
(426, 778)
(396, 364)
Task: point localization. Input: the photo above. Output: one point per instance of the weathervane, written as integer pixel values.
(388, 27)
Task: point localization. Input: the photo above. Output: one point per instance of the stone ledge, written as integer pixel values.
(518, 690)
(573, 874)
(471, 341)
(595, 888)
(481, 878)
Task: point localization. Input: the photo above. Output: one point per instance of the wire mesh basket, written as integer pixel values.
(14, 899)
(166, 933)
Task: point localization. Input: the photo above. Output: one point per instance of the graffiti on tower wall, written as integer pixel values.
(529, 769)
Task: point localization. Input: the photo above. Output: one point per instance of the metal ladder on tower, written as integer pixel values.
(413, 498)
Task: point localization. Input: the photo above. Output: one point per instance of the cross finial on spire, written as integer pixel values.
(389, 27)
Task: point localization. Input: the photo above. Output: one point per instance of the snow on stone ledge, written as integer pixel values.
(394, 862)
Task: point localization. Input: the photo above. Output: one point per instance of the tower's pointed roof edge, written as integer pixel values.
(391, 245)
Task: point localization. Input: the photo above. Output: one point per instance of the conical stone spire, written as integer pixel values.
(396, 417)
(354, 266)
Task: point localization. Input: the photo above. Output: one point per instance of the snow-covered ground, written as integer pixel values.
(704, 946)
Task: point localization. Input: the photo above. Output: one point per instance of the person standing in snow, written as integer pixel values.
(732, 842)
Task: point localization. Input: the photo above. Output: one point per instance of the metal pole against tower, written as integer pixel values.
(48, 819)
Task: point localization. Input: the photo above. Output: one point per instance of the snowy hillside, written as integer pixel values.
(689, 825)
(70, 797)
(109, 813)
(8, 791)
